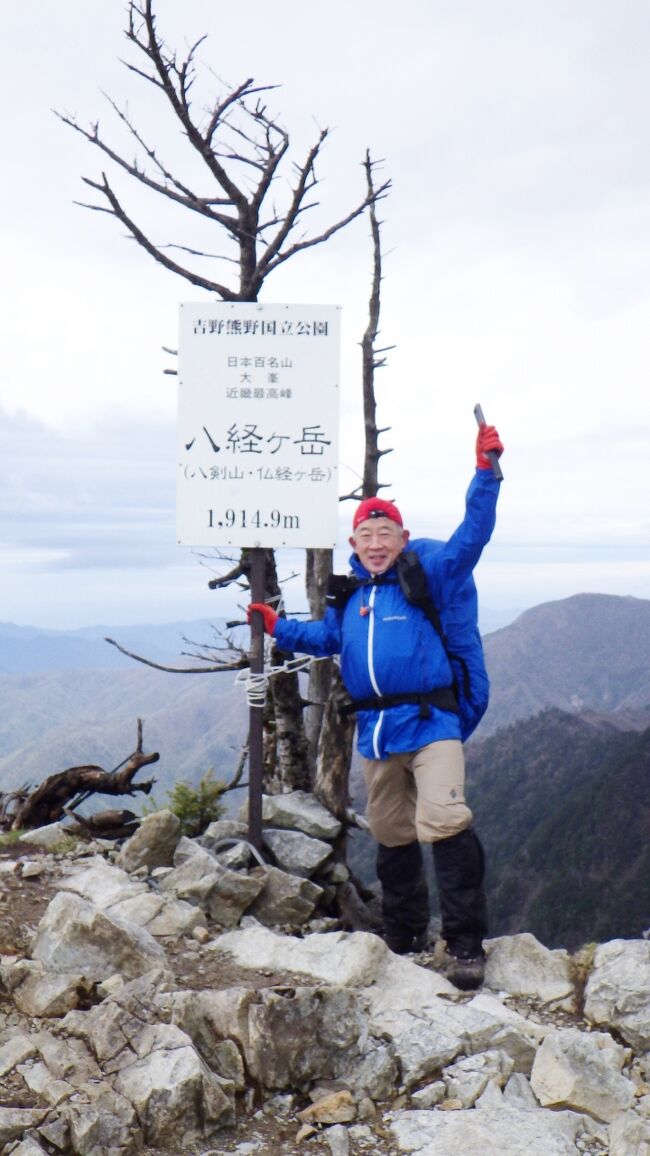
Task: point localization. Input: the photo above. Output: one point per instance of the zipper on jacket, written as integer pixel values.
(371, 670)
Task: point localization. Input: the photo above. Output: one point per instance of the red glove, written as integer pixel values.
(488, 439)
(269, 617)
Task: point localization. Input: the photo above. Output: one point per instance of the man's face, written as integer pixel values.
(377, 542)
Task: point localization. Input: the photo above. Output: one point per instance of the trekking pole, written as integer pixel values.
(491, 455)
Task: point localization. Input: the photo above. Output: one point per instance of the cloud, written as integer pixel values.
(97, 499)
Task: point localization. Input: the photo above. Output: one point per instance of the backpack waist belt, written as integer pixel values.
(444, 698)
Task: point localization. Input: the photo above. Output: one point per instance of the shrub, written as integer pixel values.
(196, 806)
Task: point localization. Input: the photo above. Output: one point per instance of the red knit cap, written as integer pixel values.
(376, 508)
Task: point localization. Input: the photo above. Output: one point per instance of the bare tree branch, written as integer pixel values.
(241, 663)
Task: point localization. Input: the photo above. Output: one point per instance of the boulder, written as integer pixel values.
(283, 898)
(296, 852)
(175, 1096)
(298, 811)
(201, 879)
(153, 844)
(617, 994)
(580, 1070)
(521, 965)
(75, 936)
(297, 1035)
(493, 1132)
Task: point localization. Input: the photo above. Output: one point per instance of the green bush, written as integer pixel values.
(196, 806)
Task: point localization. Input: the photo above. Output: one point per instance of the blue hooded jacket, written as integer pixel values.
(386, 644)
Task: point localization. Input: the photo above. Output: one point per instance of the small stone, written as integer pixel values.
(450, 1105)
(337, 1108)
(305, 1132)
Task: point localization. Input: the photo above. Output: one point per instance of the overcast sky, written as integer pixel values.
(517, 274)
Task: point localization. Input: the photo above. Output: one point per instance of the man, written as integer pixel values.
(412, 750)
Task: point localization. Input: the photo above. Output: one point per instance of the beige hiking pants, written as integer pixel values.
(418, 794)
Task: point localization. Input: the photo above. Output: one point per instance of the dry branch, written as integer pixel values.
(48, 802)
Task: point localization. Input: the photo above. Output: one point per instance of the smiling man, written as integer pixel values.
(399, 662)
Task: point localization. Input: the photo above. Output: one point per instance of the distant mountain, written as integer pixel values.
(591, 651)
(52, 720)
(27, 649)
(562, 804)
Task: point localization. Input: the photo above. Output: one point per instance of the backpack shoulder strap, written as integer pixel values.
(412, 578)
(339, 589)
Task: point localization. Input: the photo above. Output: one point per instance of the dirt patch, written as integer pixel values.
(23, 901)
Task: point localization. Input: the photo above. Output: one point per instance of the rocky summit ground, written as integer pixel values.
(306, 1041)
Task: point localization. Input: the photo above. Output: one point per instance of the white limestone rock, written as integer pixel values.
(201, 879)
(296, 852)
(617, 993)
(581, 1070)
(521, 965)
(297, 811)
(468, 1078)
(283, 898)
(47, 836)
(75, 936)
(492, 1132)
(153, 844)
(176, 1097)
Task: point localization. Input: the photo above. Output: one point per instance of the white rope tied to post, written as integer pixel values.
(257, 684)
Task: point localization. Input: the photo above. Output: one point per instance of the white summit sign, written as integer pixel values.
(258, 416)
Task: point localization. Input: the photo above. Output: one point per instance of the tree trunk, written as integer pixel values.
(335, 751)
(318, 569)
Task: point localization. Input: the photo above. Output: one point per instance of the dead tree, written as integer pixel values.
(243, 151)
(68, 789)
(336, 732)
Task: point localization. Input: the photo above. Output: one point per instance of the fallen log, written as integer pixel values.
(65, 790)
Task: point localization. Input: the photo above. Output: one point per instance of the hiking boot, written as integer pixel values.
(466, 972)
(407, 943)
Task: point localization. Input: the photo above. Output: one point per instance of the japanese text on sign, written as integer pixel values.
(257, 421)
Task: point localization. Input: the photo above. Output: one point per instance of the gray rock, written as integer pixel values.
(628, 1134)
(75, 936)
(18, 1122)
(582, 1070)
(520, 965)
(201, 879)
(213, 1019)
(176, 917)
(283, 898)
(298, 811)
(429, 1095)
(338, 1140)
(113, 1027)
(421, 1045)
(106, 1126)
(102, 883)
(43, 994)
(176, 1097)
(237, 856)
(492, 1132)
(29, 1148)
(617, 993)
(47, 836)
(375, 1074)
(354, 959)
(518, 1092)
(297, 1035)
(468, 1078)
(296, 852)
(39, 1079)
(220, 830)
(15, 1051)
(153, 844)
